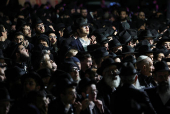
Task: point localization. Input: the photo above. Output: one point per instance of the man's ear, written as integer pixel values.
(17, 55)
(144, 67)
(83, 94)
(38, 88)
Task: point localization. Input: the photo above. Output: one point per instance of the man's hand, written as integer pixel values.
(78, 107)
(99, 105)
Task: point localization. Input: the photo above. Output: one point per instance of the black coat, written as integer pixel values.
(104, 92)
(129, 100)
(57, 107)
(157, 102)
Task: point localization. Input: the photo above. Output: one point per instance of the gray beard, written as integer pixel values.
(164, 87)
(112, 83)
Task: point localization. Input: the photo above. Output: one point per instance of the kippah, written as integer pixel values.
(142, 57)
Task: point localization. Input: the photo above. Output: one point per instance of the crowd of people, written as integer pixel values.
(74, 60)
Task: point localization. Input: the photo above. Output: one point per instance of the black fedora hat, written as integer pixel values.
(113, 55)
(80, 22)
(64, 50)
(44, 38)
(85, 82)
(5, 96)
(114, 43)
(20, 23)
(124, 37)
(59, 26)
(146, 34)
(100, 52)
(162, 40)
(45, 72)
(14, 73)
(106, 63)
(2, 55)
(128, 50)
(35, 76)
(64, 84)
(92, 47)
(133, 33)
(127, 69)
(129, 58)
(101, 39)
(143, 42)
(161, 66)
(145, 49)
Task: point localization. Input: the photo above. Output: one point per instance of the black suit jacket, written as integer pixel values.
(157, 102)
(127, 99)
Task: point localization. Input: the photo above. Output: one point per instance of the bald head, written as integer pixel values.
(145, 65)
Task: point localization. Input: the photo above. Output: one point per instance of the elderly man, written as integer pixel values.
(128, 99)
(111, 80)
(145, 65)
(159, 96)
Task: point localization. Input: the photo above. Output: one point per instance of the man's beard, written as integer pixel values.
(112, 83)
(23, 57)
(123, 19)
(164, 87)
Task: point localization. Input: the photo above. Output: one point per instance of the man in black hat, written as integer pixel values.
(115, 46)
(66, 101)
(86, 62)
(110, 81)
(2, 66)
(141, 15)
(128, 99)
(31, 82)
(4, 42)
(90, 103)
(145, 65)
(19, 55)
(159, 95)
(82, 41)
(4, 101)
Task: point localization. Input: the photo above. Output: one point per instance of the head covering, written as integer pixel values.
(127, 69)
(161, 66)
(142, 57)
(80, 22)
(4, 96)
(128, 50)
(106, 63)
(114, 43)
(100, 52)
(124, 37)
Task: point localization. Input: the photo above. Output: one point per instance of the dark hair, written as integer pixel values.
(83, 56)
(18, 34)
(1, 29)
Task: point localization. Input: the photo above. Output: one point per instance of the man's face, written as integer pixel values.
(42, 104)
(160, 56)
(19, 39)
(27, 31)
(4, 33)
(167, 45)
(150, 40)
(87, 63)
(110, 76)
(150, 55)
(92, 91)
(2, 70)
(149, 68)
(84, 13)
(84, 30)
(4, 107)
(24, 55)
(52, 38)
(47, 61)
(70, 95)
(141, 15)
(29, 85)
(40, 28)
(44, 43)
(123, 15)
(163, 80)
(75, 74)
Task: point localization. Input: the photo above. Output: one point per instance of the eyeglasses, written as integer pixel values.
(39, 26)
(52, 36)
(75, 69)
